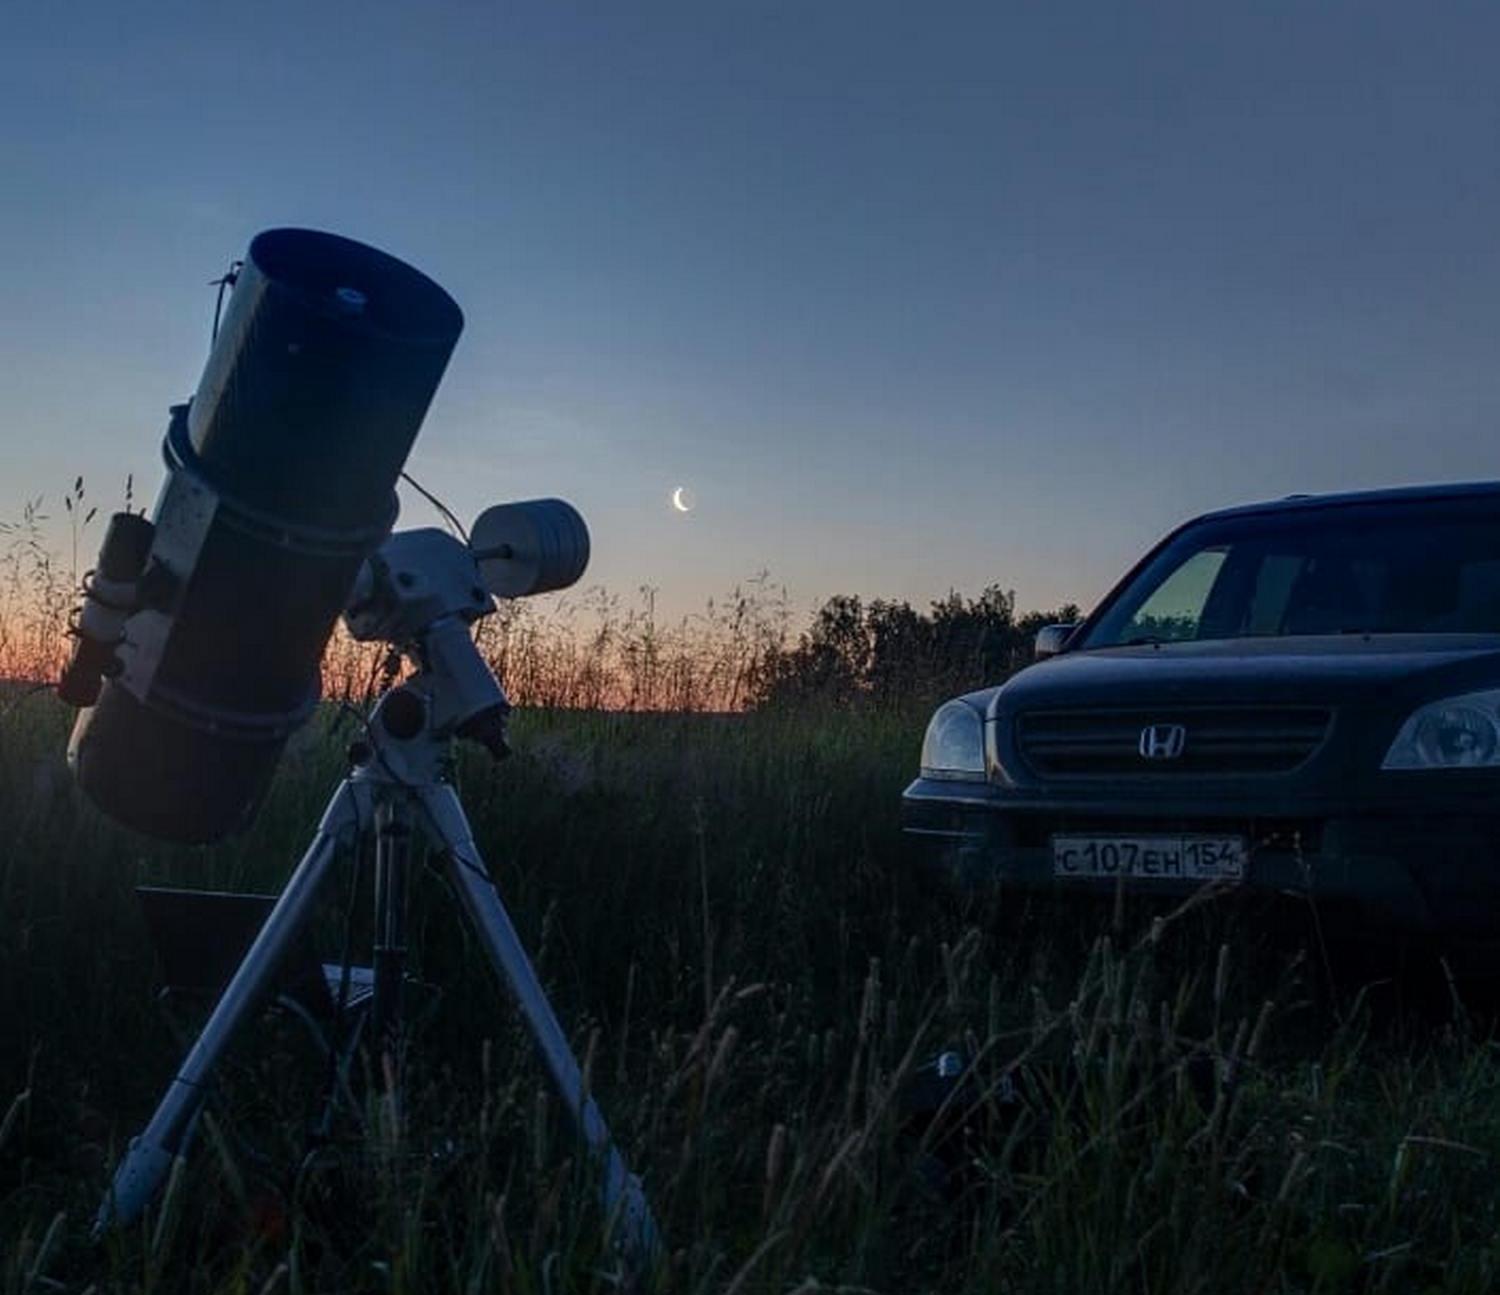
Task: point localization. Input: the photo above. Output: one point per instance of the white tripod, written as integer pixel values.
(420, 593)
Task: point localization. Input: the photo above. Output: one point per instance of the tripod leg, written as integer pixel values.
(150, 1155)
(624, 1201)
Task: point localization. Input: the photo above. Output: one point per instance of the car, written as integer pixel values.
(1298, 698)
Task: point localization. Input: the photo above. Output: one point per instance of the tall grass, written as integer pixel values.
(593, 649)
(37, 589)
(1152, 1100)
(584, 650)
(597, 651)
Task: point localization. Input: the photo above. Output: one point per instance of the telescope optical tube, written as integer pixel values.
(282, 474)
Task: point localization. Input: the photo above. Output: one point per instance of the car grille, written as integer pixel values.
(1215, 740)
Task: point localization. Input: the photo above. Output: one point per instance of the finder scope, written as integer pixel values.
(202, 632)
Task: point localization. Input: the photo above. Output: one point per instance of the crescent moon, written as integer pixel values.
(677, 500)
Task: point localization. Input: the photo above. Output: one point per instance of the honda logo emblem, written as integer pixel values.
(1162, 741)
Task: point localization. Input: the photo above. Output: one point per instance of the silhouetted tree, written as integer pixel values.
(889, 653)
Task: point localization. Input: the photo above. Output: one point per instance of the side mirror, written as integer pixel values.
(1050, 640)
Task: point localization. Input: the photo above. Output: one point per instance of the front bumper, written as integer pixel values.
(1404, 862)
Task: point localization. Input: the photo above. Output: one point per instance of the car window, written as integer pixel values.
(1175, 609)
(1428, 568)
(1273, 589)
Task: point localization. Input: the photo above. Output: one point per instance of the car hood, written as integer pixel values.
(1326, 670)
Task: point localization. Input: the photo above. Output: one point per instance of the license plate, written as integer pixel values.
(1164, 857)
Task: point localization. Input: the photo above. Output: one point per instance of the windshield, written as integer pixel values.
(1426, 568)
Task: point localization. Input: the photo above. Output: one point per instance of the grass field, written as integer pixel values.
(719, 908)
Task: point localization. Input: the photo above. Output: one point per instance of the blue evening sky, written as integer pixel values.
(912, 296)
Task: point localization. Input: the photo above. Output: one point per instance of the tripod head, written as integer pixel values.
(423, 590)
(421, 593)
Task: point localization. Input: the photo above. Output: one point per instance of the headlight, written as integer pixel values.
(954, 745)
(1455, 733)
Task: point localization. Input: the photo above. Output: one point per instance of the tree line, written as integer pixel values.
(885, 652)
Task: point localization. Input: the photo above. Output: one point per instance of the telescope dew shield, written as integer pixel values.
(282, 474)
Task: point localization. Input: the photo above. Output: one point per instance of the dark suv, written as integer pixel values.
(1298, 697)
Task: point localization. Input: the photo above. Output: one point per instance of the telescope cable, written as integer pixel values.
(436, 503)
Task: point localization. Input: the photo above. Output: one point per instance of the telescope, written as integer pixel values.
(202, 628)
(281, 484)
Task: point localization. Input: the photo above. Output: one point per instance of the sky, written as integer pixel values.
(912, 297)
